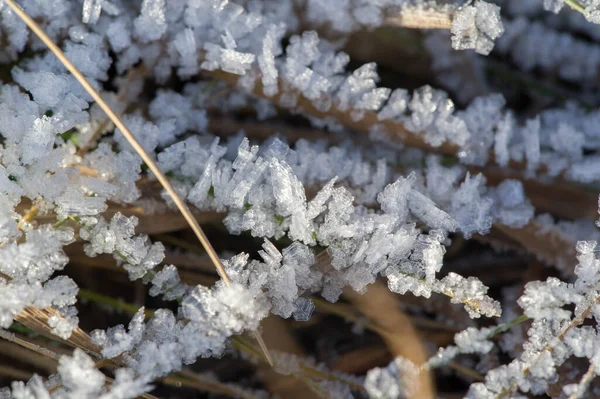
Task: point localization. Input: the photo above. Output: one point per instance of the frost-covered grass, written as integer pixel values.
(446, 208)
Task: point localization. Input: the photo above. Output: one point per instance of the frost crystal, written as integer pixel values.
(476, 27)
(397, 380)
(151, 23)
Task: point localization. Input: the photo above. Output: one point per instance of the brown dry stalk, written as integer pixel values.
(278, 336)
(566, 200)
(14, 373)
(20, 352)
(47, 353)
(382, 308)
(28, 216)
(224, 126)
(362, 359)
(420, 18)
(37, 320)
(547, 245)
(181, 205)
(197, 381)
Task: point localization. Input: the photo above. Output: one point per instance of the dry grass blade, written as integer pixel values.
(381, 307)
(20, 352)
(14, 373)
(546, 245)
(277, 333)
(183, 208)
(202, 383)
(561, 198)
(420, 18)
(37, 320)
(361, 360)
(25, 344)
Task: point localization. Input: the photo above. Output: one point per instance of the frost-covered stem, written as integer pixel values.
(472, 303)
(578, 320)
(585, 380)
(131, 308)
(363, 125)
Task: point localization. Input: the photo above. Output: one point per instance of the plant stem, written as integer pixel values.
(575, 5)
(112, 302)
(508, 325)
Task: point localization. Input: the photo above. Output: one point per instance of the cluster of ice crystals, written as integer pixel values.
(118, 238)
(469, 341)
(525, 38)
(397, 380)
(284, 276)
(476, 27)
(227, 59)
(514, 210)
(471, 292)
(79, 378)
(165, 343)
(432, 114)
(470, 209)
(151, 23)
(591, 8)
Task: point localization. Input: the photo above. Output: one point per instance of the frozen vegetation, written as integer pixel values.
(395, 181)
